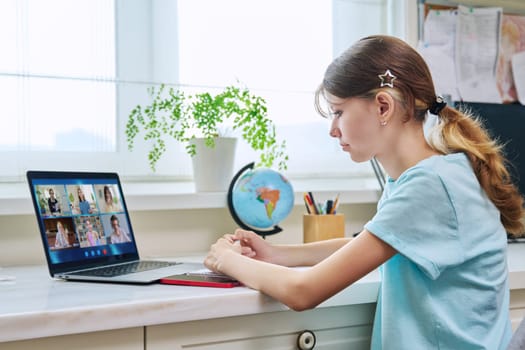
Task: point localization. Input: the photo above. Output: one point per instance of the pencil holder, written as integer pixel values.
(321, 227)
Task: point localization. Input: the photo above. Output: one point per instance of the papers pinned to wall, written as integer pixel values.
(438, 50)
(477, 45)
(510, 74)
(470, 53)
(518, 69)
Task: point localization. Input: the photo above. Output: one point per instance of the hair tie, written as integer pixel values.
(437, 106)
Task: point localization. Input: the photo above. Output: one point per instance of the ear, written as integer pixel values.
(385, 107)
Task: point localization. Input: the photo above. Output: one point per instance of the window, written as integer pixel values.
(57, 75)
(74, 70)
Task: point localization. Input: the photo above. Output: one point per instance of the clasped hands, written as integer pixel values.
(242, 242)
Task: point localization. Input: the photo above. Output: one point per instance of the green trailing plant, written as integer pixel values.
(183, 117)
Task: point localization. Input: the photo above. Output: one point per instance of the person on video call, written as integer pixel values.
(109, 204)
(440, 230)
(92, 236)
(83, 205)
(61, 240)
(52, 202)
(118, 235)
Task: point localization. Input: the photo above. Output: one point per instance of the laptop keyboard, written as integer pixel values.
(124, 269)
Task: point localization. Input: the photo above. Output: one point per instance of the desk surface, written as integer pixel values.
(34, 305)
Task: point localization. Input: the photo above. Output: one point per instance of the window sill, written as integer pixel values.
(15, 197)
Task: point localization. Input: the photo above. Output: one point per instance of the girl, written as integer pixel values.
(83, 205)
(61, 239)
(108, 200)
(439, 233)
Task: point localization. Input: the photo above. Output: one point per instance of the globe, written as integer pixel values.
(259, 199)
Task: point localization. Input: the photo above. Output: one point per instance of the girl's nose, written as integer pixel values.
(334, 131)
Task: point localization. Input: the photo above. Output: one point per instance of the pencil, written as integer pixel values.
(313, 202)
(309, 204)
(305, 198)
(336, 203)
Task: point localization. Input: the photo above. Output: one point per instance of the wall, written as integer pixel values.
(165, 233)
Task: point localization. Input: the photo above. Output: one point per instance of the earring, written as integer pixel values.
(383, 122)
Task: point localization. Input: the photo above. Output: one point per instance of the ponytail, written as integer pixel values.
(459, 131)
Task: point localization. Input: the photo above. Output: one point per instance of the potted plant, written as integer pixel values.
(189, 118)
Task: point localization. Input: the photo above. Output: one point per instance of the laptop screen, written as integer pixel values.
(82, 218)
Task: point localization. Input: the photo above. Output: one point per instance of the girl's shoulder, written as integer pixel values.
(434, 177)
(439, 166)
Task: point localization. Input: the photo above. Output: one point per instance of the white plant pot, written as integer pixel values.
(213, 167)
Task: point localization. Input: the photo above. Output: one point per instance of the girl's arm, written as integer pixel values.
(287, 255)
(307, 254)
(302, 289)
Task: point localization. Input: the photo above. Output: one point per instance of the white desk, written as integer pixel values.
(36, 306)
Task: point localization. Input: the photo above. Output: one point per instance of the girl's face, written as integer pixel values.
(356, 124)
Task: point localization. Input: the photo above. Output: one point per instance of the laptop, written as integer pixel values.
(86, 230)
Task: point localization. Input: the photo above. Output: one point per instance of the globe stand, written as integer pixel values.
(263, 234)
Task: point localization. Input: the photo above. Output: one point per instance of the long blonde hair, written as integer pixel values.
(355, 74)
(460, 131)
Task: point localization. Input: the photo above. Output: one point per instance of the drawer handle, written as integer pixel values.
(306, 340)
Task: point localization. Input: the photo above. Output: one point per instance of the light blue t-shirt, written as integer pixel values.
(447, 288)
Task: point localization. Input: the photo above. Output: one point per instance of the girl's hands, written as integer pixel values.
(242, 242)
(224, 245)
(253, 245)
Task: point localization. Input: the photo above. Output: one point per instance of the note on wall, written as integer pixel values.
(512, 41)
(438, 48)
(477, 49)
(518, 69)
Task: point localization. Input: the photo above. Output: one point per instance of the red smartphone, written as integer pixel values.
(201, 280)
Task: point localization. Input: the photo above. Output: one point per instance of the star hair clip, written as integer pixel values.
(387, 79)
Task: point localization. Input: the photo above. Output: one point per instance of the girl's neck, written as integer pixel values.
(409, 149)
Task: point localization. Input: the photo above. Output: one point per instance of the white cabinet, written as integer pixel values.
(343, 327)
(116, 339)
